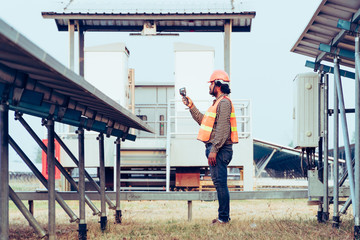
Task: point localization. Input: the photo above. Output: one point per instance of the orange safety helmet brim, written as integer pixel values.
(219, 75)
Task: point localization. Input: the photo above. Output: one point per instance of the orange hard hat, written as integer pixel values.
(219, 75)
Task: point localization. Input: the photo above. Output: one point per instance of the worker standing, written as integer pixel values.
(218, 131)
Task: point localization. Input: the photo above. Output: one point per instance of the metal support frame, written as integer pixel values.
(357, 139)
(81, 49)
(71, 29)
(87, 175)
(118, 214)
(327, 69)
(82, 222)
(57, 163)
(168, 140)
(51, 179)
(336, 216)
(27, 214)
(265, 163)
(189, 210)
(325, 215)
(4, 171)
(227, 46)
(103, 218)
(344, 127)
(42, 179)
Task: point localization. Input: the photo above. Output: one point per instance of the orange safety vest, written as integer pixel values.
(208, 121)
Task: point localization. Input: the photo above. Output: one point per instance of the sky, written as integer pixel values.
(262, 66)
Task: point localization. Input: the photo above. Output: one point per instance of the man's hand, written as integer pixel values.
(212, 159)
(188, 102)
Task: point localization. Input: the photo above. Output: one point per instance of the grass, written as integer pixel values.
(251, 219)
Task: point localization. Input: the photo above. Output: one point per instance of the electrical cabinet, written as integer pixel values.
(306, 110)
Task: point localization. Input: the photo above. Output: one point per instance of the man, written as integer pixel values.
(218, 131)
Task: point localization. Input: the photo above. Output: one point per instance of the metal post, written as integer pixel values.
(227, 45)
(91, 180)
(57, 163)
(326, 148)
(189, 210)
(344, 128)
(4, 172)
(27, 214)
(118, 181)
(336, 217)
(82, 223)
(51, 179)
(81, 49)
(357, 140)
(103, 218)
(168, 140)
(71, 29)
(42, 179)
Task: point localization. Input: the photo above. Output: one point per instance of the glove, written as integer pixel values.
(188, 102)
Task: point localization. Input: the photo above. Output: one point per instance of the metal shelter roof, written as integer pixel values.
(33, 82)
(323, 29)
(168, 15)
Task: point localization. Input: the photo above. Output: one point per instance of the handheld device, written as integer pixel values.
(182, 92)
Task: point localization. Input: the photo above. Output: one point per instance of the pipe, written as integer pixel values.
(82, 222)
(344, 128)
(336, 218)
(357, 140)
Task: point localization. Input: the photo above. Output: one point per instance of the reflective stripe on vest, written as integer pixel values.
(208, 122)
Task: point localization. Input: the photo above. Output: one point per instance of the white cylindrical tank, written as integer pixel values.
(106, 67)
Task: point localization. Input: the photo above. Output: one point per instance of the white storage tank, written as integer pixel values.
(305, 112)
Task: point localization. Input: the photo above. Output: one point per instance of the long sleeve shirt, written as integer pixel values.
(221, 133)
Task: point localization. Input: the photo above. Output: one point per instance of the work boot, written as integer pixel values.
(218, 221)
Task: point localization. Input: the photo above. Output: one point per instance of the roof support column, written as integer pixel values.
(357, 139)
(81, 49)
(82, 223)
(344, 127)
(103, 218)
(325, 216)
(51, 179)
(336, 216)
(117, 180)
(227, 46)
(4, 171)
(71, 29)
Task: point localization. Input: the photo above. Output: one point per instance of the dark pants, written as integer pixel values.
(219, 178)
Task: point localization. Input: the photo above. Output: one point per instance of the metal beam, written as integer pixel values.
(337, 51)
(4, 172)
(326, 149)
(348, 26)
(328, 69)
(176, 196)
(71, 29)
(335, 41)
